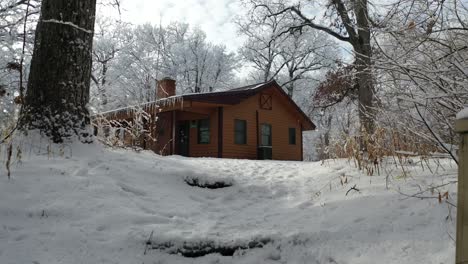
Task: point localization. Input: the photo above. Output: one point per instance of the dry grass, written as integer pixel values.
(369, 150)
(133, 132)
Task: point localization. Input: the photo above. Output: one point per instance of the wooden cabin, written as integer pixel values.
(257, 121)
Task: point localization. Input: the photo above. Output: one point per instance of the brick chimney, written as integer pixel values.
(165, 88)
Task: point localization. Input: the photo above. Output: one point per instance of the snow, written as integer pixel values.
(90, 204)
(463, 114)
(68, 24)
(164, 102)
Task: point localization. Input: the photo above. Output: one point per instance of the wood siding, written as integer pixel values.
(201, 150)
(281, 117)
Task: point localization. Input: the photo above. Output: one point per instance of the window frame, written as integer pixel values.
(294, 141)
(237, 132)
(206, 129)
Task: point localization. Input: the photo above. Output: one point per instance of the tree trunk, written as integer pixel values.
(365, 91)
(59, 79)
(103, 83)
(363, 61)
(291, 83)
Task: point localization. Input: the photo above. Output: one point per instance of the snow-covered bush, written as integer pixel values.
(134, 130)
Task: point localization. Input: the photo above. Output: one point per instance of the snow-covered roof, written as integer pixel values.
(163, 102)
(227, 97)
(160, 103)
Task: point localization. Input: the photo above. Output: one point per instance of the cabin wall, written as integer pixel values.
(244, 111)
(281, 117)
(162, 132)
(201, 150)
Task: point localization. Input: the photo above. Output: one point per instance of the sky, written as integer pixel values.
(212, 16)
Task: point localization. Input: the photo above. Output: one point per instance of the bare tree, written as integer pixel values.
(304, 54)
(351, 24)
(262, 47)
(16, 20)
(108, 41)
(421, 62)
(129, 59)
(287, 57)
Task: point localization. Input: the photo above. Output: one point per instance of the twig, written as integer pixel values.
(353, 188)
(8, 162)
(11, 133)
(431, 188)
(425, 197)
(148, 242)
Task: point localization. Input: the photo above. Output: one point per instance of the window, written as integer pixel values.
(292, 136)
(204, 131)
(240, 131)
(266, 135)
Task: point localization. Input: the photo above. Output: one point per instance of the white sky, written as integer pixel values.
(212, 16)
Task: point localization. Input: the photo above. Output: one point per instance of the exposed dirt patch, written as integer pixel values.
(202, 248)
(210, 185)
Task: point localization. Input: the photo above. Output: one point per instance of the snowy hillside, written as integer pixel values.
(97, 205)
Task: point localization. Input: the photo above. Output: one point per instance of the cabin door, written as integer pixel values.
(265, 150)
(183, 130)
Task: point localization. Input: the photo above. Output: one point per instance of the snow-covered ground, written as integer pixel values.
(97, 205)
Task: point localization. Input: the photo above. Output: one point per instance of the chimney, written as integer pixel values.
(165, 88)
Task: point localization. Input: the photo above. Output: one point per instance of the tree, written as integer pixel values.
(274, 53)
(59, 79)
(350, 23)
(128, 61)
(16, 37)
(262, 47)
(109, 40)
(421, 61)
(420, 57)
(333, 107)
(304, 54)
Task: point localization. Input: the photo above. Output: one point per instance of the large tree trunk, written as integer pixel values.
(59, 79)
(363, 51)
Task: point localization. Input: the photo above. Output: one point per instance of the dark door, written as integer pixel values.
(265, 150)
(183, 130)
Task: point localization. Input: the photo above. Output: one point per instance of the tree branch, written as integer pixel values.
(307, 22)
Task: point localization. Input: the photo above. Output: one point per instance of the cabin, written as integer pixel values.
(258, 121)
